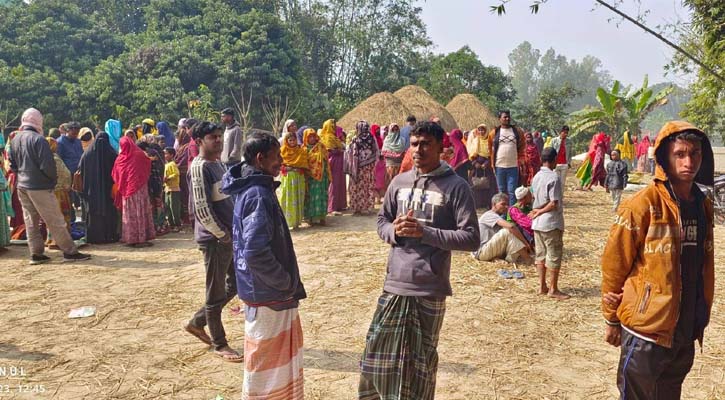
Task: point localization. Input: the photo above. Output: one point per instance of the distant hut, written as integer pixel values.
(424, 106)
(381, 108)
(470, 112)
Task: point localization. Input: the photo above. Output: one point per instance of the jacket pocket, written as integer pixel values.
(644, 300)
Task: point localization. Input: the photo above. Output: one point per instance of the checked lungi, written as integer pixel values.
(400, 361)
(272, 354)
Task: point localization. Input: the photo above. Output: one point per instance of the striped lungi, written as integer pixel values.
(272, 354)
(400, 359)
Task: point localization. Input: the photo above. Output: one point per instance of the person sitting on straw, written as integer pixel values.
(500, 239)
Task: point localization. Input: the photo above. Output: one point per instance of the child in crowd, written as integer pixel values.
(616, 178)
(548, 224)
(172, 190)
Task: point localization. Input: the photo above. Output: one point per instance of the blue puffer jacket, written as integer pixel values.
(264, 259)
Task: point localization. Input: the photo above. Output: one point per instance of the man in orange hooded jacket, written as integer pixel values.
(658, 275)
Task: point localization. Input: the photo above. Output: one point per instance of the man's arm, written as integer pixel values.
(46, 162)
(386, 217)
(466, 237)
(236, 151)
(257, 232)
(202, 197)
(513, 229)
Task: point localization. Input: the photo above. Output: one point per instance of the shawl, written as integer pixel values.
(113, 129)
(363, 150)
(329, 136)
(165, 131)
(83, 134)
(131, 170)
(301, 134)
(182, 151)
(643, 147)
(477, 145)
(317, 156)
(627, 147)
(148, 126)
(460, 155)
(64, 180)
(96, 166)
(394, 143)
(375, 131)
(340, 133)
(286, 127)
(533, 158)
(295, 157)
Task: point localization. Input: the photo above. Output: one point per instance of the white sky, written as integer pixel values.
(574, 28)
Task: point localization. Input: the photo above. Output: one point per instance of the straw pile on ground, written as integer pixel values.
(381, 108)
(424, 106)
(469, 112)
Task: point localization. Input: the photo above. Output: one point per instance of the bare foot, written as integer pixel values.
(559, 295)
(543, 290)
(227, 354)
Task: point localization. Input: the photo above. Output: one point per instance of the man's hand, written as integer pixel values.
(226, 239)
(612, 299)
(408, 226)
(613, 335)
(534, 213)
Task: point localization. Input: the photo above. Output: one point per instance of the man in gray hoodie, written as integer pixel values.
(32, 160)
(427, 213)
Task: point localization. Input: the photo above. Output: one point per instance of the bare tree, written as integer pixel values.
(6, 118)
(243, 105)
(277, 111)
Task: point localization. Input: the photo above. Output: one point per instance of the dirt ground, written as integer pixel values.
(499, 339)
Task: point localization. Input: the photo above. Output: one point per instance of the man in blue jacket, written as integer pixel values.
(268, 278)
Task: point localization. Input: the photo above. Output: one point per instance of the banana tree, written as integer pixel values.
(620, 109)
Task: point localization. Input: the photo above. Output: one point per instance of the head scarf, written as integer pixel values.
(375, 131)
(340, 133)
(114, 132)
(460, 155)
(394, 144)
(148, 126)
(533, 158)
(86, 143)
(363, 150)
(32, 118)
(295, 157)
(286, 127)
(131, 170)
(96, 166)
(301, 134)
(643, 146)
(165, 131)
(477, 144)
(329, 136)
(53, 144)
(317, 156)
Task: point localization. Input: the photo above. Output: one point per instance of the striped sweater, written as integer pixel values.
(213, 209)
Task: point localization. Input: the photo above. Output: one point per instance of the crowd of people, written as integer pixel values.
(243, 196)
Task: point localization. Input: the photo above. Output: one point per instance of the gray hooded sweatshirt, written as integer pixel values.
(443, 203)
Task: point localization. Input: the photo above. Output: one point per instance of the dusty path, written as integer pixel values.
(499, 340)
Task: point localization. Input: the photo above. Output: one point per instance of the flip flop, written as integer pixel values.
(504, 274)
(232, 357)
(517, 274)
(198, 333)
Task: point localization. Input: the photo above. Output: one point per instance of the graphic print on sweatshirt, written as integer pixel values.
(423, 203)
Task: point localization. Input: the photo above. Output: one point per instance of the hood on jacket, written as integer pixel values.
(705, 175)
(243, 176)
(443, 170)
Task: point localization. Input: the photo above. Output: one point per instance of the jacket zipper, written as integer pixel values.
(645, 298)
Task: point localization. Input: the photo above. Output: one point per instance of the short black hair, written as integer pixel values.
(411, 118)
(430, 128)
(661, 152)
(618, 152)
(256, 143)
(502, 112)
(228, 111)
(201, 129)
(548, 155)
(170, 150)
(565, 128)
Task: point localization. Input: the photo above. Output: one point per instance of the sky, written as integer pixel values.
(574, 28)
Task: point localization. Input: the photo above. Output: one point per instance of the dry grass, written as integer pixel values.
(499, 340)
(424, 106)
(382, 108)
(469, 112)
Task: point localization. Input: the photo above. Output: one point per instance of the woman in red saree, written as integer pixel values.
(131, 173)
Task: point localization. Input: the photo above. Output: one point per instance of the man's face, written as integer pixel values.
(528, 200)
(684, 160)
(501, 207)
(73, 133)
(426, 150)
(168, 157)
(505, 119)
(227, 119)
(212, 142)
(564, 134)
(270, 162)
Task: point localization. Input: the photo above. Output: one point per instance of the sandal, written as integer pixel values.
(504, 274)
(229, 355)
(199, 333)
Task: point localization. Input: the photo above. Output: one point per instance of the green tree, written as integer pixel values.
(548, 111)
(463, 72)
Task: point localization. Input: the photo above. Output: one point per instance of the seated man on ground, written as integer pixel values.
(519, 213)
(500, 238)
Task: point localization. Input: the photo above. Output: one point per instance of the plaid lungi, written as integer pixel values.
(400, 360)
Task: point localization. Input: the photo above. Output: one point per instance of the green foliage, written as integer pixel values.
(463, 72)
(548, 111)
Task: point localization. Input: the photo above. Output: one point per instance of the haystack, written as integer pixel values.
(469, 112)
(381, 108)
(424, 106)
